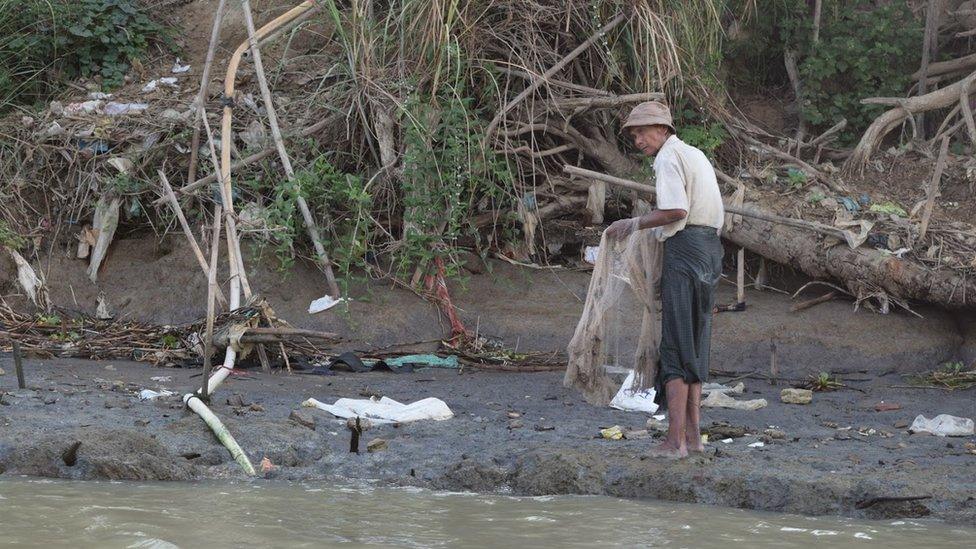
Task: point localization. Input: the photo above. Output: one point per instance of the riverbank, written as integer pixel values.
(837, 454)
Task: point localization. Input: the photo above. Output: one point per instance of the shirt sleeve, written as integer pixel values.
(670, 186)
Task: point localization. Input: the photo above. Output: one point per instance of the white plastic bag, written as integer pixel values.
(385, 410)
(634, 401)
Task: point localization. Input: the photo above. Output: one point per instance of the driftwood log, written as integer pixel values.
(804, 250)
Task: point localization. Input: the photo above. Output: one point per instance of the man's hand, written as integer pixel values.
(619, 230)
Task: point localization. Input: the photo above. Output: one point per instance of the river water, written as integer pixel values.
(48, 513)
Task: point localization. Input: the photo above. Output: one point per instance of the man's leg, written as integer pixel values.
(693, 420)
(674, 444)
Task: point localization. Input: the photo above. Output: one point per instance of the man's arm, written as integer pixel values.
(659, 218)
(623, 228)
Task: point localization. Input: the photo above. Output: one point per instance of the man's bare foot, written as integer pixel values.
(667, 450)
(695, 445)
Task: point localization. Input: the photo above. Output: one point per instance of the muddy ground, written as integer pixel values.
(820, 468)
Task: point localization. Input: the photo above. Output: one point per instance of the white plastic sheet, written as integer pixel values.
(634, 401)
(943, 425)
(385, 410)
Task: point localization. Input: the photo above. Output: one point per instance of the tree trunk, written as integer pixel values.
(861, 267)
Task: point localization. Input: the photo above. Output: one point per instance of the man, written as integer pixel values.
(690, 214)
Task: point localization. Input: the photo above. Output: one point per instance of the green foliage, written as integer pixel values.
(696, 129)
(105, 35)
(795, 178)
(9, 237)
(43, 42)
(863, 51)
(861, 54)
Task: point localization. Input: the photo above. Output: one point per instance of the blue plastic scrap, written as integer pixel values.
(425, 361)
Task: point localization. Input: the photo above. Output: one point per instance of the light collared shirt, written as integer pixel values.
(685, 180)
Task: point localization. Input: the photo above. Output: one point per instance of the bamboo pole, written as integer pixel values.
(211, 292)
(175, 204)
(933, 190)
(19, 365)
(223, 435)
(198, 109)
(740, 277)
(313, 232)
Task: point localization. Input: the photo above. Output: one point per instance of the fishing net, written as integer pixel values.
(634, 263)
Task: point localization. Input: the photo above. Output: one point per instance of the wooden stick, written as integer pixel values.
(933, 189)
(551, 72)
(313, 232)
(967, 111)
(762, 277)
(740, 278)
(604, 102)
(773, 366)
(812, 302)
(284, 355)
(198, 108)
(931, 31)
(19, 366)
(747, 212)
(175, 204)
(212, 289)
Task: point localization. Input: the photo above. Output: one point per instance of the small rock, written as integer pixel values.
(796, 396)
(832, 425)
(774, 433)
(376, 445)
(110, 368)
(141, 422)
(2, 372)
(515, 424)
(302, 419)
(657, 425)
(541, 427)
(638, 434)
(236, 400)
(256, 408)
(887, 406)
(842, 435)
(514, 415)
(50, 399)
(901, 424)
(267, 466)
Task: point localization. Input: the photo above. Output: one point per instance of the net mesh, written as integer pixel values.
(633, 263)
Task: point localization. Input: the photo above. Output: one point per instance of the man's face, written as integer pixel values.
(649, 139)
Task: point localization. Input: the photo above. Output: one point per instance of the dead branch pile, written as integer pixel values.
(86, 337)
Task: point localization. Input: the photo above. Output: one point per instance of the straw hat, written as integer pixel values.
(650, 113)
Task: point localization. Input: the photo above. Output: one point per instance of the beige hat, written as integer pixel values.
(650, 113)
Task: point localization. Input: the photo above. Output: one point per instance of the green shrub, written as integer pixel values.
(863, 51)
(45, 41)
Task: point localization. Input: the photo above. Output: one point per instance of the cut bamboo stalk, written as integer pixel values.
(223, 435)
(175, 204)
(211, 292)
(933, 190)
(740, 278)
(313, 232)
(198, 108)
(226, 137)
(19, 365)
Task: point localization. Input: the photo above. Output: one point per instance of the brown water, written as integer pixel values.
(46, 513)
